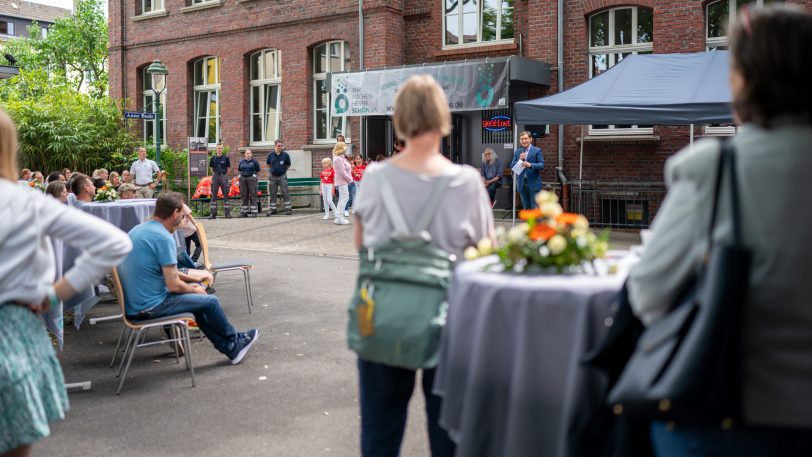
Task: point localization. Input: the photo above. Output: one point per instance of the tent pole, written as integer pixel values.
(692, 137)
(513, 175)
(581, 160)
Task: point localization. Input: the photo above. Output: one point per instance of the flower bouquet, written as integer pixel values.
(37, 185)
(548, 240)
(106, 194)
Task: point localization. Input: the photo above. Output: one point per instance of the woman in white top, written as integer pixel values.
(421, 116)
(32, 389)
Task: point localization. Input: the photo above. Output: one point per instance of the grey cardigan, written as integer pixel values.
(774, 172)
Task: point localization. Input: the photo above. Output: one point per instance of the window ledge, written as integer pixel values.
(620, 138)
(477, 48)
(319, 146)
(150, 15)
(202, 6)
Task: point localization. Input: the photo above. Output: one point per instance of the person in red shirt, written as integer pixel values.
(358, 167)
(326, 189)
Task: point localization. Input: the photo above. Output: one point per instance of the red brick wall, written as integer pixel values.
(397, 32)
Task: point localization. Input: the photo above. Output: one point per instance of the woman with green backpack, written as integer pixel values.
(416, 214)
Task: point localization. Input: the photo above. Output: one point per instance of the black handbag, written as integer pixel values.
(686, 367)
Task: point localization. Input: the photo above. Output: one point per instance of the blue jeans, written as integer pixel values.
(208, 315)
(385, 394)
(737, 442)
(353, 190)
(528, 196)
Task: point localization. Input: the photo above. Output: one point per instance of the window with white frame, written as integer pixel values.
(614, 34)
(43, 32)
(150, 125)
(151, 6)
(266, 80)
(329, 57)
(718, 20)
(477, 21)
(206, 80)
(6, 28)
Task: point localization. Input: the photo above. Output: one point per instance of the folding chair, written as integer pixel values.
(244, 266)
(136, 332)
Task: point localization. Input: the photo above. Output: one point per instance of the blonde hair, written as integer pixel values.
(339, 149)
(420, 107)
(327, 161)
(8, 147)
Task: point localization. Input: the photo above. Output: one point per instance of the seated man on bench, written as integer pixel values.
(155, 288)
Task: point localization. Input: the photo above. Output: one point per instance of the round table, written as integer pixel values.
(509, 370)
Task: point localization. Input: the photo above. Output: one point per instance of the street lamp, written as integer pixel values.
(157, 73)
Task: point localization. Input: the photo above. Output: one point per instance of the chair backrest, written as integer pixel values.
(118, 292)
(204, 243)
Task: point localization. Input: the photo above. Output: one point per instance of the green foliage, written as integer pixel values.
(75, 49)
(59, 127)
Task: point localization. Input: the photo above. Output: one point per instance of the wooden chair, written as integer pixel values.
(243, 266)
(136, 332)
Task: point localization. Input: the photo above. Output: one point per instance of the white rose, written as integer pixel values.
(471, 253)
(581, 241)
(485, 246)
(544, 251)
(581, 223)
(551, 209)
(546, 197)
(517, 234)
(500, 231)
(557, 244)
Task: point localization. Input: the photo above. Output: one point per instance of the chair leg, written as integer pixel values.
(129, 360)
(118, 345)
(247, 276)
(189, 362)
(176, 337)
(130, 342)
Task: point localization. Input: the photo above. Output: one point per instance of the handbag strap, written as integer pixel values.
(396, 217)
(726, 156)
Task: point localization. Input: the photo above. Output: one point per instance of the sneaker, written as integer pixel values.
(242, 215)
(344, 222)
(346, 213)
(228, 216)
(288, 212)
(326, 217)
(212, 216)
(352, 211)
(272, 213)
(243, 344)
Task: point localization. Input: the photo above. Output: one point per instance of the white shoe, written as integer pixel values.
(326, 217)
(344, 222)
(337, 222)
(352, 211)
(346, 213)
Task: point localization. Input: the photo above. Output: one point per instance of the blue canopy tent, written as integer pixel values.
(666, 89)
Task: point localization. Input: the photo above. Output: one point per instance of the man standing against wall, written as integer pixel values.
(144, 171)
(278, 163)
(528, 182)
(219, 164)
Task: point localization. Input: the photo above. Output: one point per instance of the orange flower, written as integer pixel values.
(103, 188)
(567, 218)
(527, 214)
(542, 232)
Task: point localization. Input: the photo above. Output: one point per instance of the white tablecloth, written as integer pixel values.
(509, 371)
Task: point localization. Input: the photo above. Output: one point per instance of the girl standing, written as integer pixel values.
(342, 178)
(326, 188)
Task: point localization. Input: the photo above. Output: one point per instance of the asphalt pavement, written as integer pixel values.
(294, 395)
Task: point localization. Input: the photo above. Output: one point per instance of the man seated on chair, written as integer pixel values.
(491, 172)
(82, 187)
(155, 288)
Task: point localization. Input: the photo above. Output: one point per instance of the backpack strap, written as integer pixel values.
(396, 217)
(436, 196)
(390, 203)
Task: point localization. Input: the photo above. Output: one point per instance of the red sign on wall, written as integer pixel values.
(497, 123)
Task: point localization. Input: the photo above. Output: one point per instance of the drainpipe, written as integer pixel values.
(561, 78)
(361, 128)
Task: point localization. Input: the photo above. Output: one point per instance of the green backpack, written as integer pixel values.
(399, 308)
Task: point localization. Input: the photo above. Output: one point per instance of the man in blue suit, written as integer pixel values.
(528, 182)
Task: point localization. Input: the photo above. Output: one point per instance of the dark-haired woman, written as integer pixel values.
(769, 79)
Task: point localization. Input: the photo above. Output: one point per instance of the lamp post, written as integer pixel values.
(157, 72)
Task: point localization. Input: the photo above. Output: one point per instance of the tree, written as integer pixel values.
(74, 49)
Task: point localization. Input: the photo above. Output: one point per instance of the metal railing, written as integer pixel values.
(617, 204)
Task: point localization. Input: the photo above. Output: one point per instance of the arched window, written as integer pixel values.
(329, 57)
(266, 80)
(206, 91)
(614, 34)
(148, 95)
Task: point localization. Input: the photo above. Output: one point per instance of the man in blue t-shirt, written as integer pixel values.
(278, 163)
(153, 286)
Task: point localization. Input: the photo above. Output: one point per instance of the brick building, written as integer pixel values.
(249, 71)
